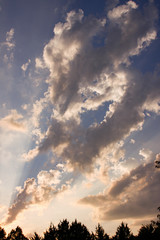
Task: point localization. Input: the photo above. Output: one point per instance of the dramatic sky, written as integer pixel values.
(79, 113)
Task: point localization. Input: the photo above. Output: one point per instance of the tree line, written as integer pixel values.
(78, 231)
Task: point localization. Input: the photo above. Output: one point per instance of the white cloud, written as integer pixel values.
(39, 63)
(119, 11)
(10, 35)
(25, 65)
(147, 154)
(49, 178)
(9, 43)
(30, 155)
(132, 141)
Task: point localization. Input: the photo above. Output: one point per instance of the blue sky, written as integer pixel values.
(79, 113)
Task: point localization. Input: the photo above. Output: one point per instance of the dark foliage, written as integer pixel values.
(123, 232)
(2, 233)
(78, 231)
(16, 234)
(100, 234)
(51, 233)
(36, 237)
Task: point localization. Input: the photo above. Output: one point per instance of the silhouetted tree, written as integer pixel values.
(93, 236)
(123, 232)
(63, 230)
(2, 234)
(79, 231)
(51, 233)
(100, 234)
(36, 237)
(146, 232)
(16, 234)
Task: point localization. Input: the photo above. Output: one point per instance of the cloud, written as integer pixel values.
(49, 178)
(14, 121)
(84, 77)
(135, 195)
(25, 65)
(39, 63)
(132, 141)
(72, 60)
(7, 48)
(30, 155)
(120, 11)
(147, 155)
(34, 192)
(65, 52)
(9, 43)
(81, 146)
(10, 35)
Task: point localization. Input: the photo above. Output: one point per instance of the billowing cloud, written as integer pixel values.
(81, 146)
(35, 192)
(72, 60)
(49, 178)
(119, 11)
(83, 78)
(63, 56)
(135, 195)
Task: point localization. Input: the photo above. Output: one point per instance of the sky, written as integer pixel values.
(79, 113)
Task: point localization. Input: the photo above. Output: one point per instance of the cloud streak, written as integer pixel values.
(135, 195)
